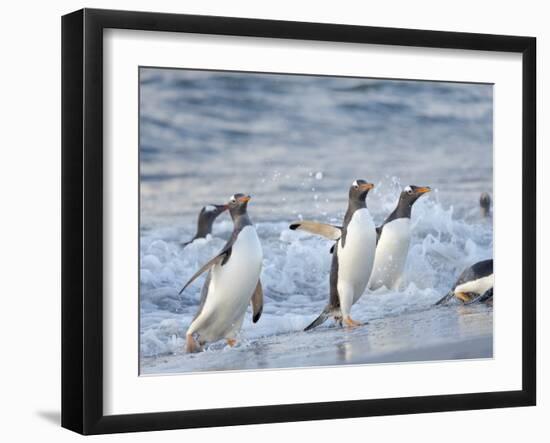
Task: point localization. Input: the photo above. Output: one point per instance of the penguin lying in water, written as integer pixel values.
(207, 216)
(352, 255)
(475, 284)
(232, 282)
(394, 238)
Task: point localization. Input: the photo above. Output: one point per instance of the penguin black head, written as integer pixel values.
(237, 204)
(212, 211)
(485, 203)
(207, 216)
(359, 189)
(412, 193)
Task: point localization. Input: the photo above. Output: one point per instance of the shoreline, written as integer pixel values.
(435, 335)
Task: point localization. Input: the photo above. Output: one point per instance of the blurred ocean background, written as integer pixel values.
(295, 143)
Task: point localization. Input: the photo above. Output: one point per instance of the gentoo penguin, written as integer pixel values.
(394, 237)
(233, 281)
(206, 218)
(485, 204)
(475, 284)
(352, 255)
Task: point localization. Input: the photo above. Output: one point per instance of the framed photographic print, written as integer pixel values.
(269, 221)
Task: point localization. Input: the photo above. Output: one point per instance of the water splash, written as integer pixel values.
(296, 272)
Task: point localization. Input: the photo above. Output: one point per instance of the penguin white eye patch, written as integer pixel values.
(355, 183)
(408, 189)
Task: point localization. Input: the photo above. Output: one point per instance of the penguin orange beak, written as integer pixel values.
(245, 199)
(423, 189)
(366, 186)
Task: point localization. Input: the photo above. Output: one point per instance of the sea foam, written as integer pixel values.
(295, 274)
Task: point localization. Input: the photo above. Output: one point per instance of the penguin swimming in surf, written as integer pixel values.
(394, 237)
(475, 284)
(207, 216)
(232, 282)
(352, 255)
(485, 204)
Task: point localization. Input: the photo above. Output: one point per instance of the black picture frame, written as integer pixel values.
(82, 220)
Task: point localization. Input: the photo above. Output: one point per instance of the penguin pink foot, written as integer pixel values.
(351, 323)
(191, 345)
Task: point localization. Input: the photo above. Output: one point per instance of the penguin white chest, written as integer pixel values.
(231, 287)
(391, 254)
(356, 257)
(478, 286)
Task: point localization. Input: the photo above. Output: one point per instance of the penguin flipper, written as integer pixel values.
(378, 233)
(446, 298)
(325, 230)
(323, 317)
(487, 295)
(257, 302)
(222, 258)
(481, 297)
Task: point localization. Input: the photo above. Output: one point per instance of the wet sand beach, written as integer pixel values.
(447, 333)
